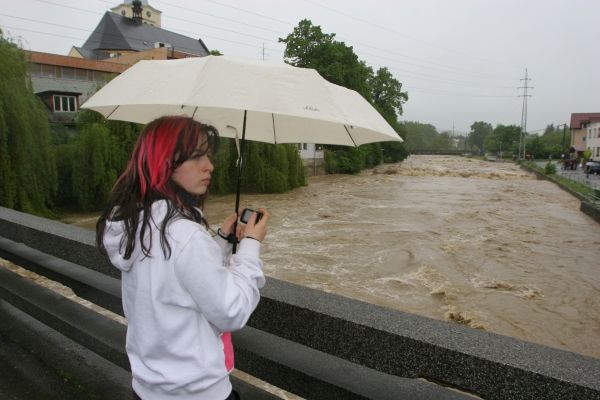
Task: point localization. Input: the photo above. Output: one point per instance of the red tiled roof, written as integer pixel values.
(67, 61)
(578, 118)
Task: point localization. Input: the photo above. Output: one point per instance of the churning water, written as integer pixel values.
(477, 243)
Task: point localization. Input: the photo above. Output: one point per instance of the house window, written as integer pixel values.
(65, 103)
(81, 74)
(67, 73)
(304, 146)
(48, 71)
(35, 69)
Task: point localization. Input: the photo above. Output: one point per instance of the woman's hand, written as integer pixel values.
(227, 225)
(257, 230)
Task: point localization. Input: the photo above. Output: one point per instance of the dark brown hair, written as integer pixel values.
(164, 144)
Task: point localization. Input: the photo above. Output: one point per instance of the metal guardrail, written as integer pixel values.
(579, 176)
(592, 181)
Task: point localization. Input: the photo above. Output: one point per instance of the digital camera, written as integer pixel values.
(247, 213)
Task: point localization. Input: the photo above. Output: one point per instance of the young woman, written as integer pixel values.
(183, 291)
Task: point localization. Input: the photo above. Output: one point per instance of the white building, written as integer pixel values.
(313, 157)
(593, 139)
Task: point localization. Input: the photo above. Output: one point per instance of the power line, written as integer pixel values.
(379, 26)
(83, 39)
(45, 23)
(444, 93)
(62, 5)
(214, 16)
(429, 77)
(467, 72)
(438, 79)
(250, 12)
(42, 33)
(401, 71)
(437, 66)
(222, 29)
(118, 36)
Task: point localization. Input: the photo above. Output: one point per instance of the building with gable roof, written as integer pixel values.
(119, 41)
(117, 35)
(585, 132)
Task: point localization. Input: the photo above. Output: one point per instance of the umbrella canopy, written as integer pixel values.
(281, 103)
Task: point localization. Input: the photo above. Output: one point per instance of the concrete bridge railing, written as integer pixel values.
(314, 344)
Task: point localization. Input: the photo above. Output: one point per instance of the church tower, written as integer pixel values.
(149, 15)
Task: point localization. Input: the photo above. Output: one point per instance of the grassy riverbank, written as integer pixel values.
(576, 187)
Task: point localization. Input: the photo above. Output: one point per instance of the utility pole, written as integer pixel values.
(563, 141)
(524, 115)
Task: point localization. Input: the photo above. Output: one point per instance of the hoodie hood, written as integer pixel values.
(114, 235)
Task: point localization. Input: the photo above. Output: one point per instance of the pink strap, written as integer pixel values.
(228, 349)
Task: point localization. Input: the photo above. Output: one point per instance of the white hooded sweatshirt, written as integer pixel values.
(178, 308)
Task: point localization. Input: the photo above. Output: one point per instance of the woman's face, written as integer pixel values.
(194, 174)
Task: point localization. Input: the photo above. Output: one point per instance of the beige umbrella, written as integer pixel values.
(265, 101)
(282, 104)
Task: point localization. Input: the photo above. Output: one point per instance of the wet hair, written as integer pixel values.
(163, 145)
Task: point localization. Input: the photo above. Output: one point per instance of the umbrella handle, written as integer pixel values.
(239, 177)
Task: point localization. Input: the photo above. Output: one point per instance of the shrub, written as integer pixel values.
(550, 168)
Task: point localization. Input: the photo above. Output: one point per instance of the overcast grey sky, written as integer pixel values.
(461, 61)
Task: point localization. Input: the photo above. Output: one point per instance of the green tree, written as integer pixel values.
(27, 172)
(476, 139)
(536, 147)
(89, 161)
(507, 137)
(267, 168)
(555, 137)
(308, 47)
(93, 167)
(344, 160)
(442, 141)
(387, 95)
(420, 136)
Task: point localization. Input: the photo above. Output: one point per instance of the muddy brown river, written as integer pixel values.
(472, 242)
(477, 243)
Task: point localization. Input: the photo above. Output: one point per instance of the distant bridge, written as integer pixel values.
(447, 152)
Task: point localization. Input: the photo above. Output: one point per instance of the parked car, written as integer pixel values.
(592, 167)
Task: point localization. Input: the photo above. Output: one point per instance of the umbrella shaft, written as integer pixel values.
(239, 177)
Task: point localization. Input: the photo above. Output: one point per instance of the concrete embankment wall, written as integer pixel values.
(586, 206)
